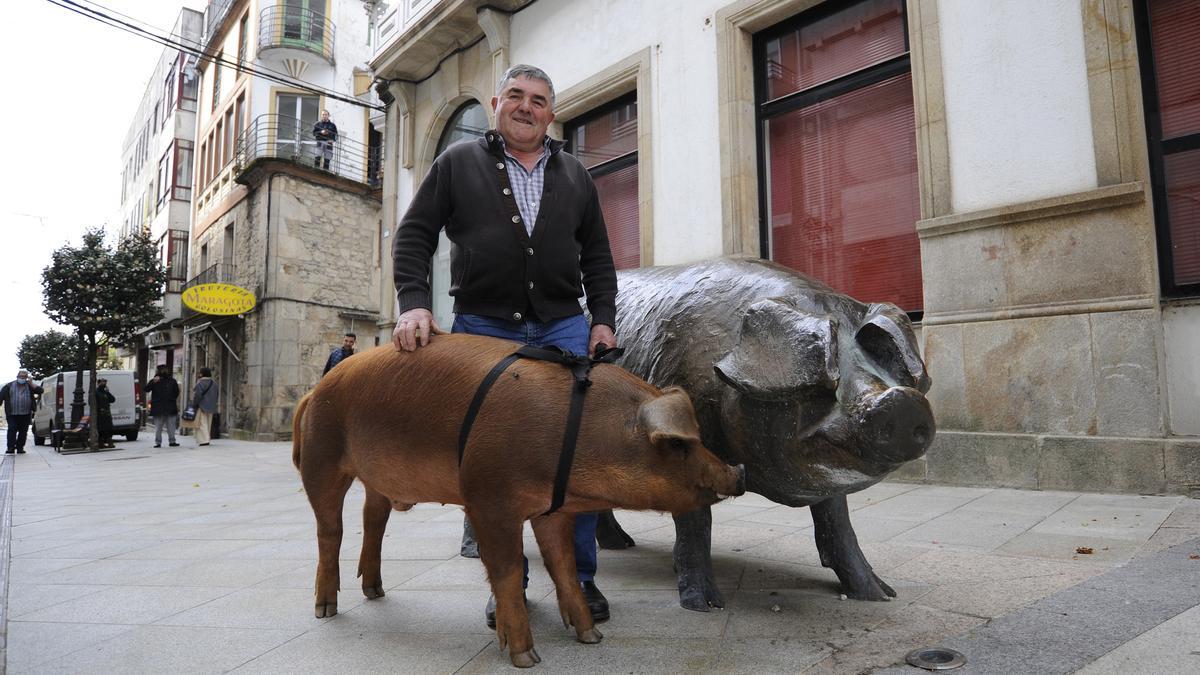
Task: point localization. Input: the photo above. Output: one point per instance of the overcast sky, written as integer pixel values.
(71, 87)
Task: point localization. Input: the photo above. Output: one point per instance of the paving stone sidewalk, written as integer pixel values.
(201, 560)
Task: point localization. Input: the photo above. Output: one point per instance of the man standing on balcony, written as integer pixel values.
(326, 134)
(519, 256)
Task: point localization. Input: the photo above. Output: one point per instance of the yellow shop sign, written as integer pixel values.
(219, 299)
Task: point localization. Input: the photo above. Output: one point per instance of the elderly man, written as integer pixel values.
(528, 241)
(18, 397)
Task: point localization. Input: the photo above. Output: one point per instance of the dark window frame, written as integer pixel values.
(608, 166)
(1157, 148)
(765, 109)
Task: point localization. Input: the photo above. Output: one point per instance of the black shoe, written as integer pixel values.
(489, 612)
(158, 445)
(10, 451)
(173, 445)
(20, 451)
(597, 603)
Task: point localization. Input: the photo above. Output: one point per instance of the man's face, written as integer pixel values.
(325, 116)
(523, 113)
(348, 342)
(22, 375)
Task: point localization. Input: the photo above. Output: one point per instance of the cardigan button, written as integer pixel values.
(500, 165)
(516, 219)
(516, 316)
(506, 191)
(531, 285)
(529, 251)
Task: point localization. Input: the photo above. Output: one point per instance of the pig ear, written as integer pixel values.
(887, 337)
(670, 418)
(780, 351)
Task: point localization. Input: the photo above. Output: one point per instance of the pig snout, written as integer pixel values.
(899, 423)
(739, 482)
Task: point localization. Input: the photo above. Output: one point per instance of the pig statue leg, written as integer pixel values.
(376, 510)
(501, 550)
(556, 539)
(693, 561)
(839, 551)
(327, 494)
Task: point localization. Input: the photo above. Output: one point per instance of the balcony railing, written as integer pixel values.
(284, 137)
(220, 273)
(283, 26)
(214, 15)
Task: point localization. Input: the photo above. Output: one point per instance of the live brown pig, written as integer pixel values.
(392, 420)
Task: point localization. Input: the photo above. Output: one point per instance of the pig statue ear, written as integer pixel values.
(670, 418)
(781, 351)
(886, 336)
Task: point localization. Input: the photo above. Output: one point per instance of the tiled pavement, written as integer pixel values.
(187, 559)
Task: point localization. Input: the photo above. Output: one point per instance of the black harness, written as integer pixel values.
(581, 367)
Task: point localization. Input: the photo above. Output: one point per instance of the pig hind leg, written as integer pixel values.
(839, 550)
(326, 491)
(555, 538)
(500, 548)
(376, 510)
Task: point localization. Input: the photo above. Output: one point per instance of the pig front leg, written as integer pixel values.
(693, 561)
(555, 538)
(839, 551)
(501, 550)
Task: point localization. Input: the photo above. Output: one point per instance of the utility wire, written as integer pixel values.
(172, 36)
(107, 20)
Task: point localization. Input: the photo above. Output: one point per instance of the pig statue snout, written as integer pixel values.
(899, 423)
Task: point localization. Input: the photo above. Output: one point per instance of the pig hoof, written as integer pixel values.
(700, 597)
(590, 636)
(873, 589)
(373, 592)
(526, 659)
(326, 610)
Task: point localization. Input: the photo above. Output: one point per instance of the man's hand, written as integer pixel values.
(601, 334)
(414, 328)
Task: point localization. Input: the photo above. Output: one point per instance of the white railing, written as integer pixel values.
(396, 20)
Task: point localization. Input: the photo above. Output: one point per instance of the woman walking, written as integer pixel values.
(204, 400)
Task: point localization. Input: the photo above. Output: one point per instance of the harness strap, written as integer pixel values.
(477, 402)
(581, 367)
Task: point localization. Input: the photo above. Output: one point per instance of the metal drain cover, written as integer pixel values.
(935, 658)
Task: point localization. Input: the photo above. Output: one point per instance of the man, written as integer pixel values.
(104, 422)
(164, 405)
(518, 259)
(204, 401)
(339, 354)
(18, 397)
(326, 134)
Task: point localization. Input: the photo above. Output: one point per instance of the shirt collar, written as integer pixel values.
(496, 142)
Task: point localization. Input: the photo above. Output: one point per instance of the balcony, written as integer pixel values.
(220, 273)
(289, 27)
(214, 16)
(288, 138)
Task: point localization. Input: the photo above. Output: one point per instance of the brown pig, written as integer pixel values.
(392, 420)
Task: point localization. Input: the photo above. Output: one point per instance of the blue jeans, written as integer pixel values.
(571, 334)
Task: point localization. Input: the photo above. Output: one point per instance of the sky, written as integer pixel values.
(72, 86)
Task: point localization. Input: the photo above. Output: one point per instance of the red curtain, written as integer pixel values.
(610, 137)
(619, 201)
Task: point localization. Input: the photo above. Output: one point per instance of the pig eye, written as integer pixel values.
(678, 445)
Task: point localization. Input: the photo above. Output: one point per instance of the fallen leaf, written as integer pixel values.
(1084, 550)
(776, 608)
(195, 485)
(1194, 556)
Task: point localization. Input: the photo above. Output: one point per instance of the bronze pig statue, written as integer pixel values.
(393, 420)
(817, 394)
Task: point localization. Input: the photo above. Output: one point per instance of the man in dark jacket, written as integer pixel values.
(326, 134)
(339, 354)
(19, 397)
(528, 242)
(104, 422)
(164, 405)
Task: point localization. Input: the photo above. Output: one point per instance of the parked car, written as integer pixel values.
(59, 388)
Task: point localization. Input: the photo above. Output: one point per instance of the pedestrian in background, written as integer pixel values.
(337, 355)
(18, 397)
(164, 405)
(104, 424)
(204, 400)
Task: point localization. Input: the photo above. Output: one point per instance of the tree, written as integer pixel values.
(47, 353)
(107, 294)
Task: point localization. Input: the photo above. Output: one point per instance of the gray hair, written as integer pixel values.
(527, 71)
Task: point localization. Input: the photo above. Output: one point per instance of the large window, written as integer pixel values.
(605, 140)
(172, 247)
(297, 114)
(469, 121)
(838, 158)
(1170, 60)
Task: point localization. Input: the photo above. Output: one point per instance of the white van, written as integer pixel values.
(59, 388)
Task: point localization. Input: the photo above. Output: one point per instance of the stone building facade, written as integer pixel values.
(1002, 156)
